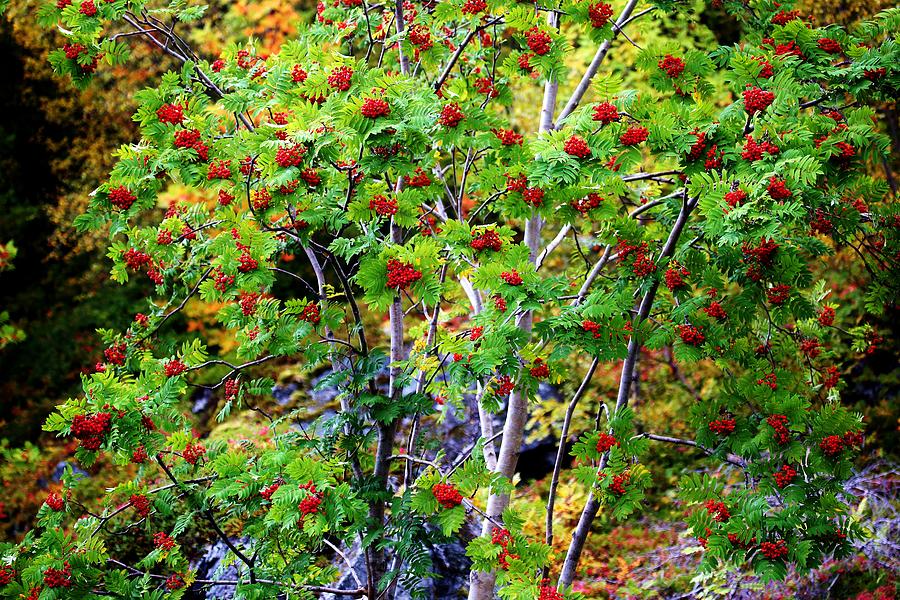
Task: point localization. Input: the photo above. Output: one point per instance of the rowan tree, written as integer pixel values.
(381, 143)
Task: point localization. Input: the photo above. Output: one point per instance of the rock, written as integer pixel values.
(209, 566)
(203, 400)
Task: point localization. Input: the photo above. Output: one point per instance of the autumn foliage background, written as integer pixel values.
(55, 148)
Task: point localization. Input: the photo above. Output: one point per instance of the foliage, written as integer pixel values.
(380, 147)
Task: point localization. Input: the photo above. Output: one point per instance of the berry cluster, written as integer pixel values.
(538, 41)
(511, 277)
(163, 541)
(310, 504)
(115, 354)
(7, 575)
(778, 294)
(717, 510)
(766, 69)
(829, 45)
(577, 147)
(140, 503)
(420, 36)
(121, 197)
(505, 385)
(487, 240)
(219, 169)
(539, 369)
(508, 137)
(372, 108)
(58, 578)
(419, 180)
(778, 189)
(267, 491)
(476, 333)
(605, 442)
(548, 592)
(339, 78)
(757, 100)
(170, 113)
(606, 113)
(774, 550)
(383, 206)
(672, 65)
(619, 482)
(533, 196)
(599, 14)
(446, 495)
(833, 445)
(634, 136)
(174, 368)
(401, 275)
(826, 317)
(759, 257)
(91, 429)
(473, 7)
(785, 476)
(691, 335)
(735, 198)
(246, 263)
(310, 313)
(55, 501)
(175, 581)
(190, 138)
(754, 151)
(811, 347)
(136, 259)
(248, 302)
(451, 115)
(588, 203)
(779, 423)
(192, 453)
(290, 156)
(715, 311)
(723, 426)
(139, 455)
(674, 277)
(502, 538)
(591, 327)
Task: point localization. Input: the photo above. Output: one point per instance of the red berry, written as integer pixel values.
(55, 502)
(757, 100)
(401, 275)
(605, 442)
(508, 137)
(606, 113)
(121, 197)
(830, 46)
(511, 277)
(538, 41)
(486, 240)
(372, 108)
(383, 206)
(672, 65)
(774, 550)
(634, 136)
(599, 14)
(451, 115)
(779, 423)
(691, 335)
(446, 495)
(723, 426)
(140, 503)
(539, 369)
(163, 541)
(171, 113)
(174, 367)
(88, 8)
(577, 147)
(785, 476)
(340, 77)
